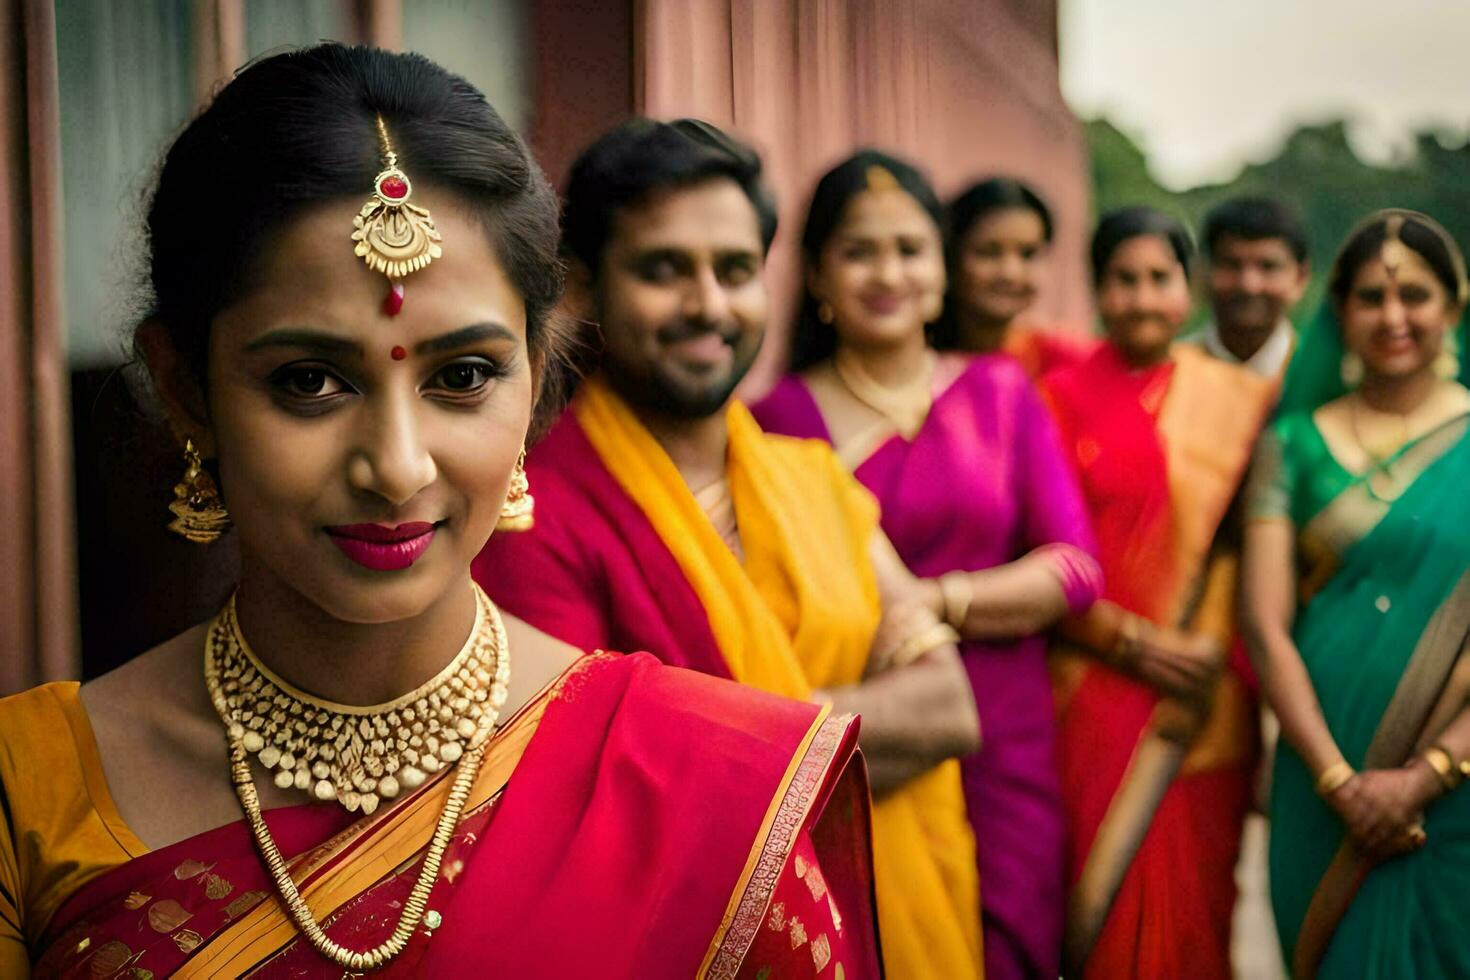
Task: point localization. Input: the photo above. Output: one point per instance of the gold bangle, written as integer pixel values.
(1335, 777)
(1444, 767)
(958, 596)
(929, 638)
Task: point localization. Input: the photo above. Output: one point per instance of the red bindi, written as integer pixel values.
(399, 353)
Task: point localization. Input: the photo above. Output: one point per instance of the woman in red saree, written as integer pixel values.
(423, 784)
(1156, 728)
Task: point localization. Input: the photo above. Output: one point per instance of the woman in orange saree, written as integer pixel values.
(424, 785)
(1156, 730)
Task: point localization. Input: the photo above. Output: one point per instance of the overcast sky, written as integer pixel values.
(1208, 85)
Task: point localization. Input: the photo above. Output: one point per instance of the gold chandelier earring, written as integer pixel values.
(199, 513)
(519, 511)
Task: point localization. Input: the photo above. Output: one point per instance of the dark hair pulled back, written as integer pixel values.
(1419, 232)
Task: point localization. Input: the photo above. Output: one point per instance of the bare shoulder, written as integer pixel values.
(536, 659)
(161, 742)
(162, 687)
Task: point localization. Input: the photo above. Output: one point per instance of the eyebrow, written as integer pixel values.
(326, 344)
(312, 340)
(643, 254)
(465, 336)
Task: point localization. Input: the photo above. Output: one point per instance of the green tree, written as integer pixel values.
(1316, 170)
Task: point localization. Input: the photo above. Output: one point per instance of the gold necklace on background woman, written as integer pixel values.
(906, 406)
(1383, 436)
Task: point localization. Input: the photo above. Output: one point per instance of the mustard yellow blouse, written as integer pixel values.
(59, 827)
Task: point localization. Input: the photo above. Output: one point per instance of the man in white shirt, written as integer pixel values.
(1258, 270)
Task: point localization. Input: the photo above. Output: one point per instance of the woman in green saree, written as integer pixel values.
(1356, 613)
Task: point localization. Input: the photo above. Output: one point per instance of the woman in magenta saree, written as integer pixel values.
(427, 788)
(980, 484)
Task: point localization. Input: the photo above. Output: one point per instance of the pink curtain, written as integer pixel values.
(966, 88)
(37, 564)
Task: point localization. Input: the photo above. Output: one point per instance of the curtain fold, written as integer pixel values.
(37, 562)
(965, 89)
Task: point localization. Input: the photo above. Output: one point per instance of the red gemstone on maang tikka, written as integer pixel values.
(394, 188)
(393, 302)
(399, 353)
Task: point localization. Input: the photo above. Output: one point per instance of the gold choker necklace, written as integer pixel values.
(340, 745)
(357, 755)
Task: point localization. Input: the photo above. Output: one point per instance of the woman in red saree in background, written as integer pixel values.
(439, 786)
(1000, 233)
(975, 493)
(1157, 730)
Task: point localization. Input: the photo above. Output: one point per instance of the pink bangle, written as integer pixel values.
(1078, 573)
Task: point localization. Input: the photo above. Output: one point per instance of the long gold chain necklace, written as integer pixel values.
(906, 407)
(314, 729)
(1378, 447)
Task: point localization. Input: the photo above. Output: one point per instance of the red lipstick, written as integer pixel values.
(383, 549)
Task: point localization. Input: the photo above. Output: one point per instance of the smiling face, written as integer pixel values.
(1000, 264)
(881, 270)
(1395, 318)
(1253, 282)
(1143, 298)
(681, 297)
(363, 482)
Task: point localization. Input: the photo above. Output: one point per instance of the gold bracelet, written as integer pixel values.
(1444, 767)
(931, 637)
(1335, 777)
(958, 596)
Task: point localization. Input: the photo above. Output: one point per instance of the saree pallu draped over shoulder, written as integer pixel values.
(800, 613)
(1383, 639)
(633, 820)
(1151, 785)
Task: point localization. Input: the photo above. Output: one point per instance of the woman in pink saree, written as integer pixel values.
(352, 364)
(965, 462)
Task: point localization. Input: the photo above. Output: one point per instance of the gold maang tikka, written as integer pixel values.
(1394, 251)
(394, 236)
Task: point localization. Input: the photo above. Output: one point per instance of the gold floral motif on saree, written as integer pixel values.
(109, 958)
(821, 952)
(777, 919)
(191, 869)
(166, 915)
(811, 876)
(216, 888)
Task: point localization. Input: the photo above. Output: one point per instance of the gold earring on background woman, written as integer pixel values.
(199, 514)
